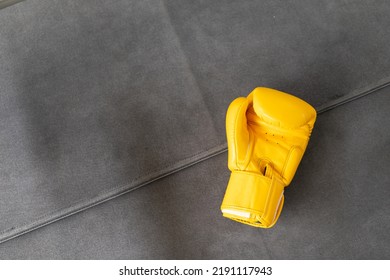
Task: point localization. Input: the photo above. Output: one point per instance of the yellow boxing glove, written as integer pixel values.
(267, 134)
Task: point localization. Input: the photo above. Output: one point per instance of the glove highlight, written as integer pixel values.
(267, 135)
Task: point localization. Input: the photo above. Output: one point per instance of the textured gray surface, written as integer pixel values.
(317, 50)
(97, 98)
(92, 98)
(335, 208)
(6, 3)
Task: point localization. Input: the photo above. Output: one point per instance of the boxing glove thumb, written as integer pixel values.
(255, 193)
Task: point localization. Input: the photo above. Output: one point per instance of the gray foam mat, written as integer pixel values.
(335, 208)
(99, 98)
(94, 100)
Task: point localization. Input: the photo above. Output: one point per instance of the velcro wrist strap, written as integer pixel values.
(253, 199)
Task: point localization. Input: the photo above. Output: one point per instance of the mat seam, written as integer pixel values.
(114, 191)
(117, 191)
(7, 3)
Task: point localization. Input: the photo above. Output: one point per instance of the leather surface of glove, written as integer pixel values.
(267, 135)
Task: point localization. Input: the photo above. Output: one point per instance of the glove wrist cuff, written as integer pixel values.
(253, 199)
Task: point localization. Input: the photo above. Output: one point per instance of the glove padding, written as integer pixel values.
(267, 134)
